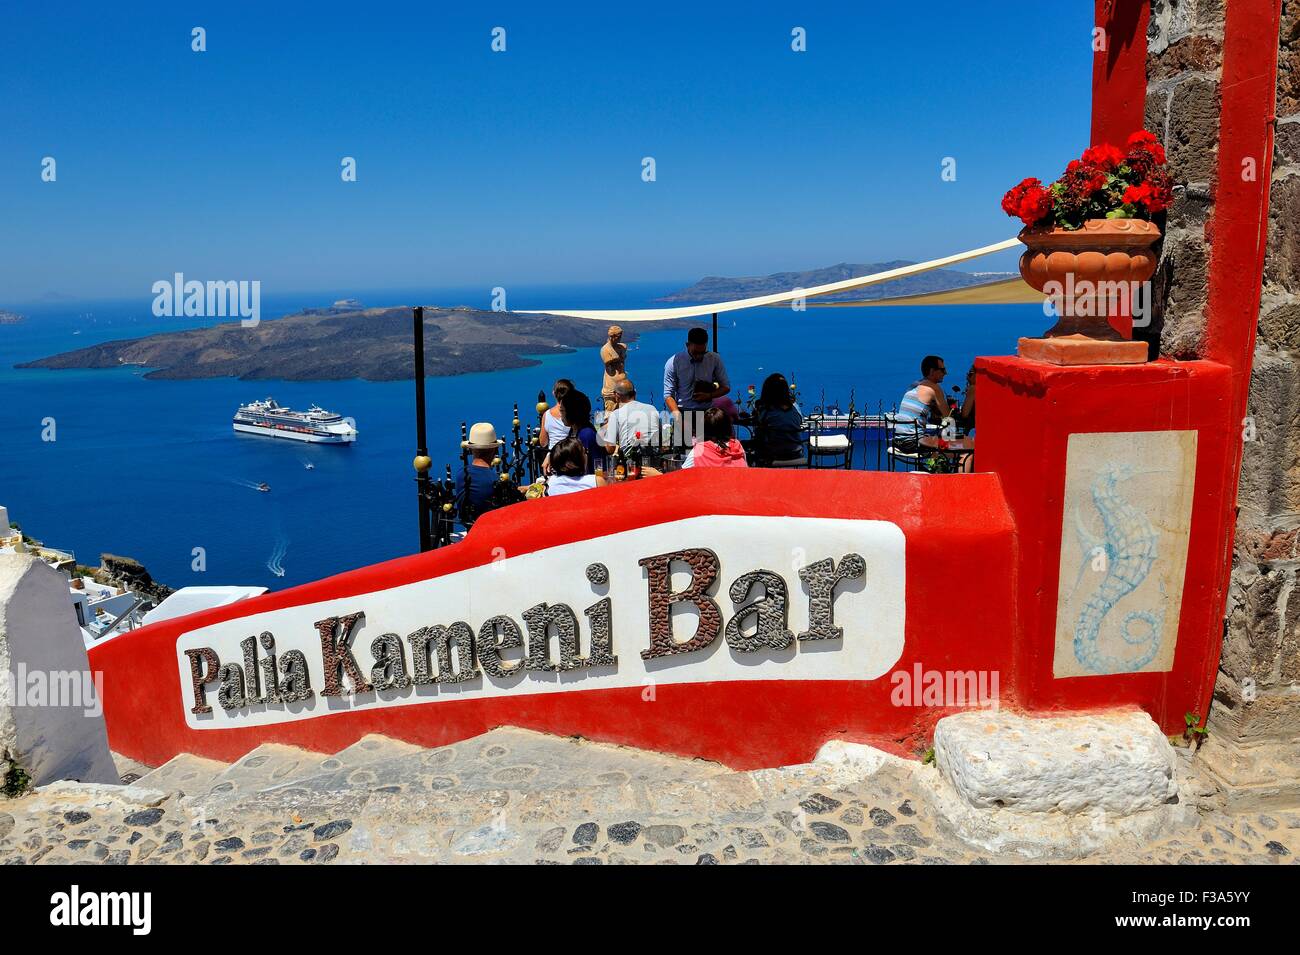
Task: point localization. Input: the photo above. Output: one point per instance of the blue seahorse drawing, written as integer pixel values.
(1129, 543)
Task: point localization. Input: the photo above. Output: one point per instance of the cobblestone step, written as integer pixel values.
(508, 759)
(268, 765)
(368, 749)
(186, 773)
(617, 807)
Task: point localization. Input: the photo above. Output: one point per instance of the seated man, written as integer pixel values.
(924, 403)
(632, 422)
(474, 485)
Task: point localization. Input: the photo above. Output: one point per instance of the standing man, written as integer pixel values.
(694, 377)
(614, 354)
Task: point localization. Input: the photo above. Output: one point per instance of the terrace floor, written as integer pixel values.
(522, 797)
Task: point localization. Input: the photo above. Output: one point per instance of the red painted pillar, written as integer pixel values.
(1119, 83)
(1119, 69)
(1239, 228)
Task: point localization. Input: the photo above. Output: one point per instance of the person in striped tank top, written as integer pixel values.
(922, 404)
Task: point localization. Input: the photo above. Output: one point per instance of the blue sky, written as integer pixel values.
(523, 166)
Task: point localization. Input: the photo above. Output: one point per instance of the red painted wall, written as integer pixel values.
(961, 615)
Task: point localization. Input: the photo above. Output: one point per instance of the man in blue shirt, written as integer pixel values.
(694, 377)
(475, 484)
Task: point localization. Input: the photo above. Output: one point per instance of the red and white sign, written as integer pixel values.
(759, 573)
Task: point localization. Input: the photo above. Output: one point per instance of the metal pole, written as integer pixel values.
(715, 331)
(422, 461)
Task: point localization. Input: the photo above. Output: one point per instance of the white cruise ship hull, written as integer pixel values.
(308, 435)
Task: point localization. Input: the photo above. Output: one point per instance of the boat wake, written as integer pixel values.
(276, 564)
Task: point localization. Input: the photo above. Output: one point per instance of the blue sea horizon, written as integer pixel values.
(151, 469)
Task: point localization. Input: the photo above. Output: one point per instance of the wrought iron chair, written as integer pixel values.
(899, 460)
(827, 448)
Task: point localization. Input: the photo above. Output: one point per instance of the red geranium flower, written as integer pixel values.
(1105, 181)
(1162, 191)
(1137, 195)
(1035, 205)
(1029, 201)
(1103, 156)
(1144, 143)
(1011, 201)
(1154, 196)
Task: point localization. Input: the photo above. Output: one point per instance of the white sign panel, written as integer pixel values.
(701, 600)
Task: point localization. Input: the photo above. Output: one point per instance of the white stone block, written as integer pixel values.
(51, 721)
(1119, 762)
(857, 758)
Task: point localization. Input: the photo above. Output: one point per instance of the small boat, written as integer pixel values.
(264, 487)
(309, 466)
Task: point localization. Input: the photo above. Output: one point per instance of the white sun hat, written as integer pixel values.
(483, 436)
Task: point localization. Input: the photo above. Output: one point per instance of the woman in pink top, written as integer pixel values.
(719, 448)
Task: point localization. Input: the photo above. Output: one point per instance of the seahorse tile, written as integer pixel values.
(1125, 524)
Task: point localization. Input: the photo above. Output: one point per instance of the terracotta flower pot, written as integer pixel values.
(1089, 273)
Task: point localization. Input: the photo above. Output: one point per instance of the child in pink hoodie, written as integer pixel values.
(719, 447)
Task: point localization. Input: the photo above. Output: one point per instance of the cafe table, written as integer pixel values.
(957, 449)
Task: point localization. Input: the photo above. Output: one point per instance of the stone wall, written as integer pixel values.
(1257, 692)
(1184, 60)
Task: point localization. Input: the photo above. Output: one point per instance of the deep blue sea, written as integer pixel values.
(152, 469)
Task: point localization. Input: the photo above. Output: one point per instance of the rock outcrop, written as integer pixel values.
(129, 574)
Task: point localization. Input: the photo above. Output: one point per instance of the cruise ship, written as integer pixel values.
(315, 424)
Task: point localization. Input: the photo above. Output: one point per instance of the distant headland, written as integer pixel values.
(344, 340)
(720, 289)
(347, 340)
(10, 318)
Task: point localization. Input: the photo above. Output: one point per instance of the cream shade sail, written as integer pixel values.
(777, 298)
(1002, 292)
